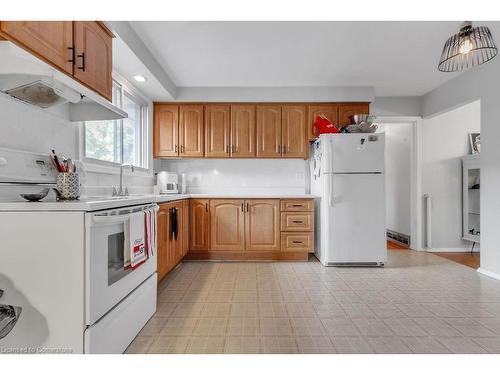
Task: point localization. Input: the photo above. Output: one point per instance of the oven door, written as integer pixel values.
(107, 281)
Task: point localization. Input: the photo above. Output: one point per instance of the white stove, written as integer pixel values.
(62, 265)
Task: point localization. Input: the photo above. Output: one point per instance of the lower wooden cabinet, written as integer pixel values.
(163, 241)
(185, 226)
(297, 241)
(171, 236)
(199, 225)
(262, 225)
(233, 229)
(227, 225)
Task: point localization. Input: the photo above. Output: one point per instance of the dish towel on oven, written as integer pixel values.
(150, 230)
(136, 242)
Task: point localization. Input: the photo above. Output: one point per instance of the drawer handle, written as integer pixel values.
(297, 242)
(297, 222)
(297, 205)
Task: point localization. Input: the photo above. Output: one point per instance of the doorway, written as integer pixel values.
(398, 149)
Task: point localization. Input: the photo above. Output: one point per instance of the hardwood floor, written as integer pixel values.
(395, 246)
(467, 259)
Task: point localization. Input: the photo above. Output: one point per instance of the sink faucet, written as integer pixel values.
(121, 192)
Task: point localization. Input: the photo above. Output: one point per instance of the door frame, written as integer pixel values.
(415, 176)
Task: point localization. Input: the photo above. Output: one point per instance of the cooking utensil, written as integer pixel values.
(359, 118)
(36, 196)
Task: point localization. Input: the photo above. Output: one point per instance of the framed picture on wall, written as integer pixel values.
(475, 143)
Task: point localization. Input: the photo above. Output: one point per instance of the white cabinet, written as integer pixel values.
(471, 197)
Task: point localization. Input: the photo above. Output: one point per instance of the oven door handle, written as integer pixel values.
(110, 219)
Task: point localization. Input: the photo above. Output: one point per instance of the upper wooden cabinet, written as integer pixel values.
(82, 49)
(293, 131)
(243, 130)
(191, 130)
(94, 56)
(330, 111)
(262, 225)
(166, 130)
(227, 225)
(349, 109)
(217, 131)
(199, 225)
(178, 130)
(269, 131)
(50, 40)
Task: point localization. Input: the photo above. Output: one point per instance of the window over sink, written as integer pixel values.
(115, 142)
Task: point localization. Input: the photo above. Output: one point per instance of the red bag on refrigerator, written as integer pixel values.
(322, 125)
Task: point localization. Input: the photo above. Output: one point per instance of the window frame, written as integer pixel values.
(104, 166)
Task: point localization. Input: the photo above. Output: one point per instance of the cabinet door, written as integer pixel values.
(191, 130)
(185, 227)
(163, 241)
(50, 40)
(165, 130)
(199, 225)
(330, 111)
(94, 56)
(262, 225)
(227, 225)
(349, 109)
(217, 129)
(294, 143)
(176, 234)
(243, 131)
(269, 131)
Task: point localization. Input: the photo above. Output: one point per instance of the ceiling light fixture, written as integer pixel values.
(471, 46)
(140, 78)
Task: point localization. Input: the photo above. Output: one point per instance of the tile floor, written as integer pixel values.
(418, 303)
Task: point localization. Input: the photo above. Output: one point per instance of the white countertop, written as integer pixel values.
(103, 203)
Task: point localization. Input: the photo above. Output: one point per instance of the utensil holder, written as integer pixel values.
(67, 186)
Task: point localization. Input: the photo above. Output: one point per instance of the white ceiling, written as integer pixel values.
(396, 58)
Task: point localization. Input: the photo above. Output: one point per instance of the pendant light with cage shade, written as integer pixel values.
(470, 47)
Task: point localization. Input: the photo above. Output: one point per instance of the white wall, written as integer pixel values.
(263, 176)
(29, 128)
(396, 106)
(445, 141)
(398, 144)
(479, 83)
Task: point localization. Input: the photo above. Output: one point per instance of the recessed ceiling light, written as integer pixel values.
(140, 78)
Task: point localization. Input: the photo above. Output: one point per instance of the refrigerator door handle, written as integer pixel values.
(330, 190)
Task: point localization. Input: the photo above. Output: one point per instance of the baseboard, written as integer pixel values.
(488, 273)
(451, 250)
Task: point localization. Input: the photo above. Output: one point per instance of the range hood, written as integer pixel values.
(31, 80)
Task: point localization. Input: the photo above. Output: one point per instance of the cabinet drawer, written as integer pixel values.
(302, 241)
(297, 221)
(297, 204)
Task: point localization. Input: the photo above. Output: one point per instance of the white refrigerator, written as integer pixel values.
(347, 176)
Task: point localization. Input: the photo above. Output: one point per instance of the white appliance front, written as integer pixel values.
(352, 226)
(114, 332)
(352, 153)
(107, 280)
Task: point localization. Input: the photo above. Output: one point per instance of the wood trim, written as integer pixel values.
(105, 28)
(247, 256)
